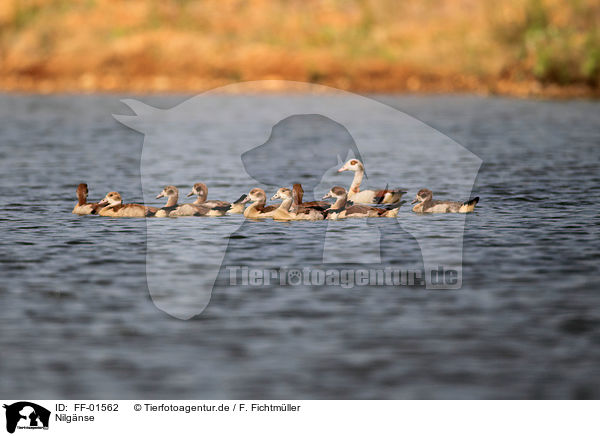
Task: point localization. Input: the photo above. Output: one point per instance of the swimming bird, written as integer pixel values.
(258, 209)
(426, 204)
(172, 194)
(340, 209)
(283, 212)
(173, 209)
(299, 206)
(201, 191)
(368, 196)
(112, 205)
(238, 205)
(83, 207)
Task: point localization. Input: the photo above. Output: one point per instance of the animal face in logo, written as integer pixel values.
(26, 414)
(305, 148)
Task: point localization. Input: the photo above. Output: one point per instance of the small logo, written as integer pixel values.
(26, 415)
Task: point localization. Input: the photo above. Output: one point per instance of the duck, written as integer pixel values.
(426, 204)
(299, 206)
(368, 196)
(283, 213)
(172, 209)
(201, 191)
(258, 209)
(341, 210)
(83, 207)
(112, 205)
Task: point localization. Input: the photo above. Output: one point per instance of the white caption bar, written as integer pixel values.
(299, 417)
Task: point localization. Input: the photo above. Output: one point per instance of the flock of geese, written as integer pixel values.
(353, 203)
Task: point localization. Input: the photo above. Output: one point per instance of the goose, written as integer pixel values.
(283, 211)
(299, 206)
(258, 209)
(112, 205)
(426, 204)
(238, 205)
(368, 196)
(83, 207)
(201, 191)
(339, 210)
(172, 194)
(172, 209)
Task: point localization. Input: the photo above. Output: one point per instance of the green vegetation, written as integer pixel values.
(557, 43)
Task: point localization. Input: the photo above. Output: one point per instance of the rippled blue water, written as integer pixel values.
(76, 319)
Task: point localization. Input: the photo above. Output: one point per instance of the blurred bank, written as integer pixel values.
(517, 47)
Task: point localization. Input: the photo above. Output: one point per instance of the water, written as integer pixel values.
(77, 320)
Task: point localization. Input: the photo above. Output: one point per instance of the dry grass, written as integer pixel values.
(523, 47)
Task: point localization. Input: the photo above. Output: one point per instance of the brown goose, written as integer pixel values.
(83, 207)
(112, 205)
(426, 204)
(299, 206)
(283, 211)
(341, 210)
(258, 209)
(201, 191)
(172, 209)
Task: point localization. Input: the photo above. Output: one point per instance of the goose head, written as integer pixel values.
(283, 194)
(422, 195)
(112, 199)
(200, 190)
(168, 191)
(256, 195)
(352, 165)
(336, 192)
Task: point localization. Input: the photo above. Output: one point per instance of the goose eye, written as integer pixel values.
(354, 162)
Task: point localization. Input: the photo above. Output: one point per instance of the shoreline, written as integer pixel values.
(414, 85)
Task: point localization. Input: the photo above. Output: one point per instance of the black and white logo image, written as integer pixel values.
(26, 415)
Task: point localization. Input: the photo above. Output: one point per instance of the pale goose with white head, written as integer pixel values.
(368, 196)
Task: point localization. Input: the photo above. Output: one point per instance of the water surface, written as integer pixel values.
(76, 319)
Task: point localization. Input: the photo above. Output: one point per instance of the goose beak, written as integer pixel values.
(161, 195)
(328, 195)
(103, 202)
(190, 194)
(275, 197)
(245, 200)
(416, 200)
(342, 169)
